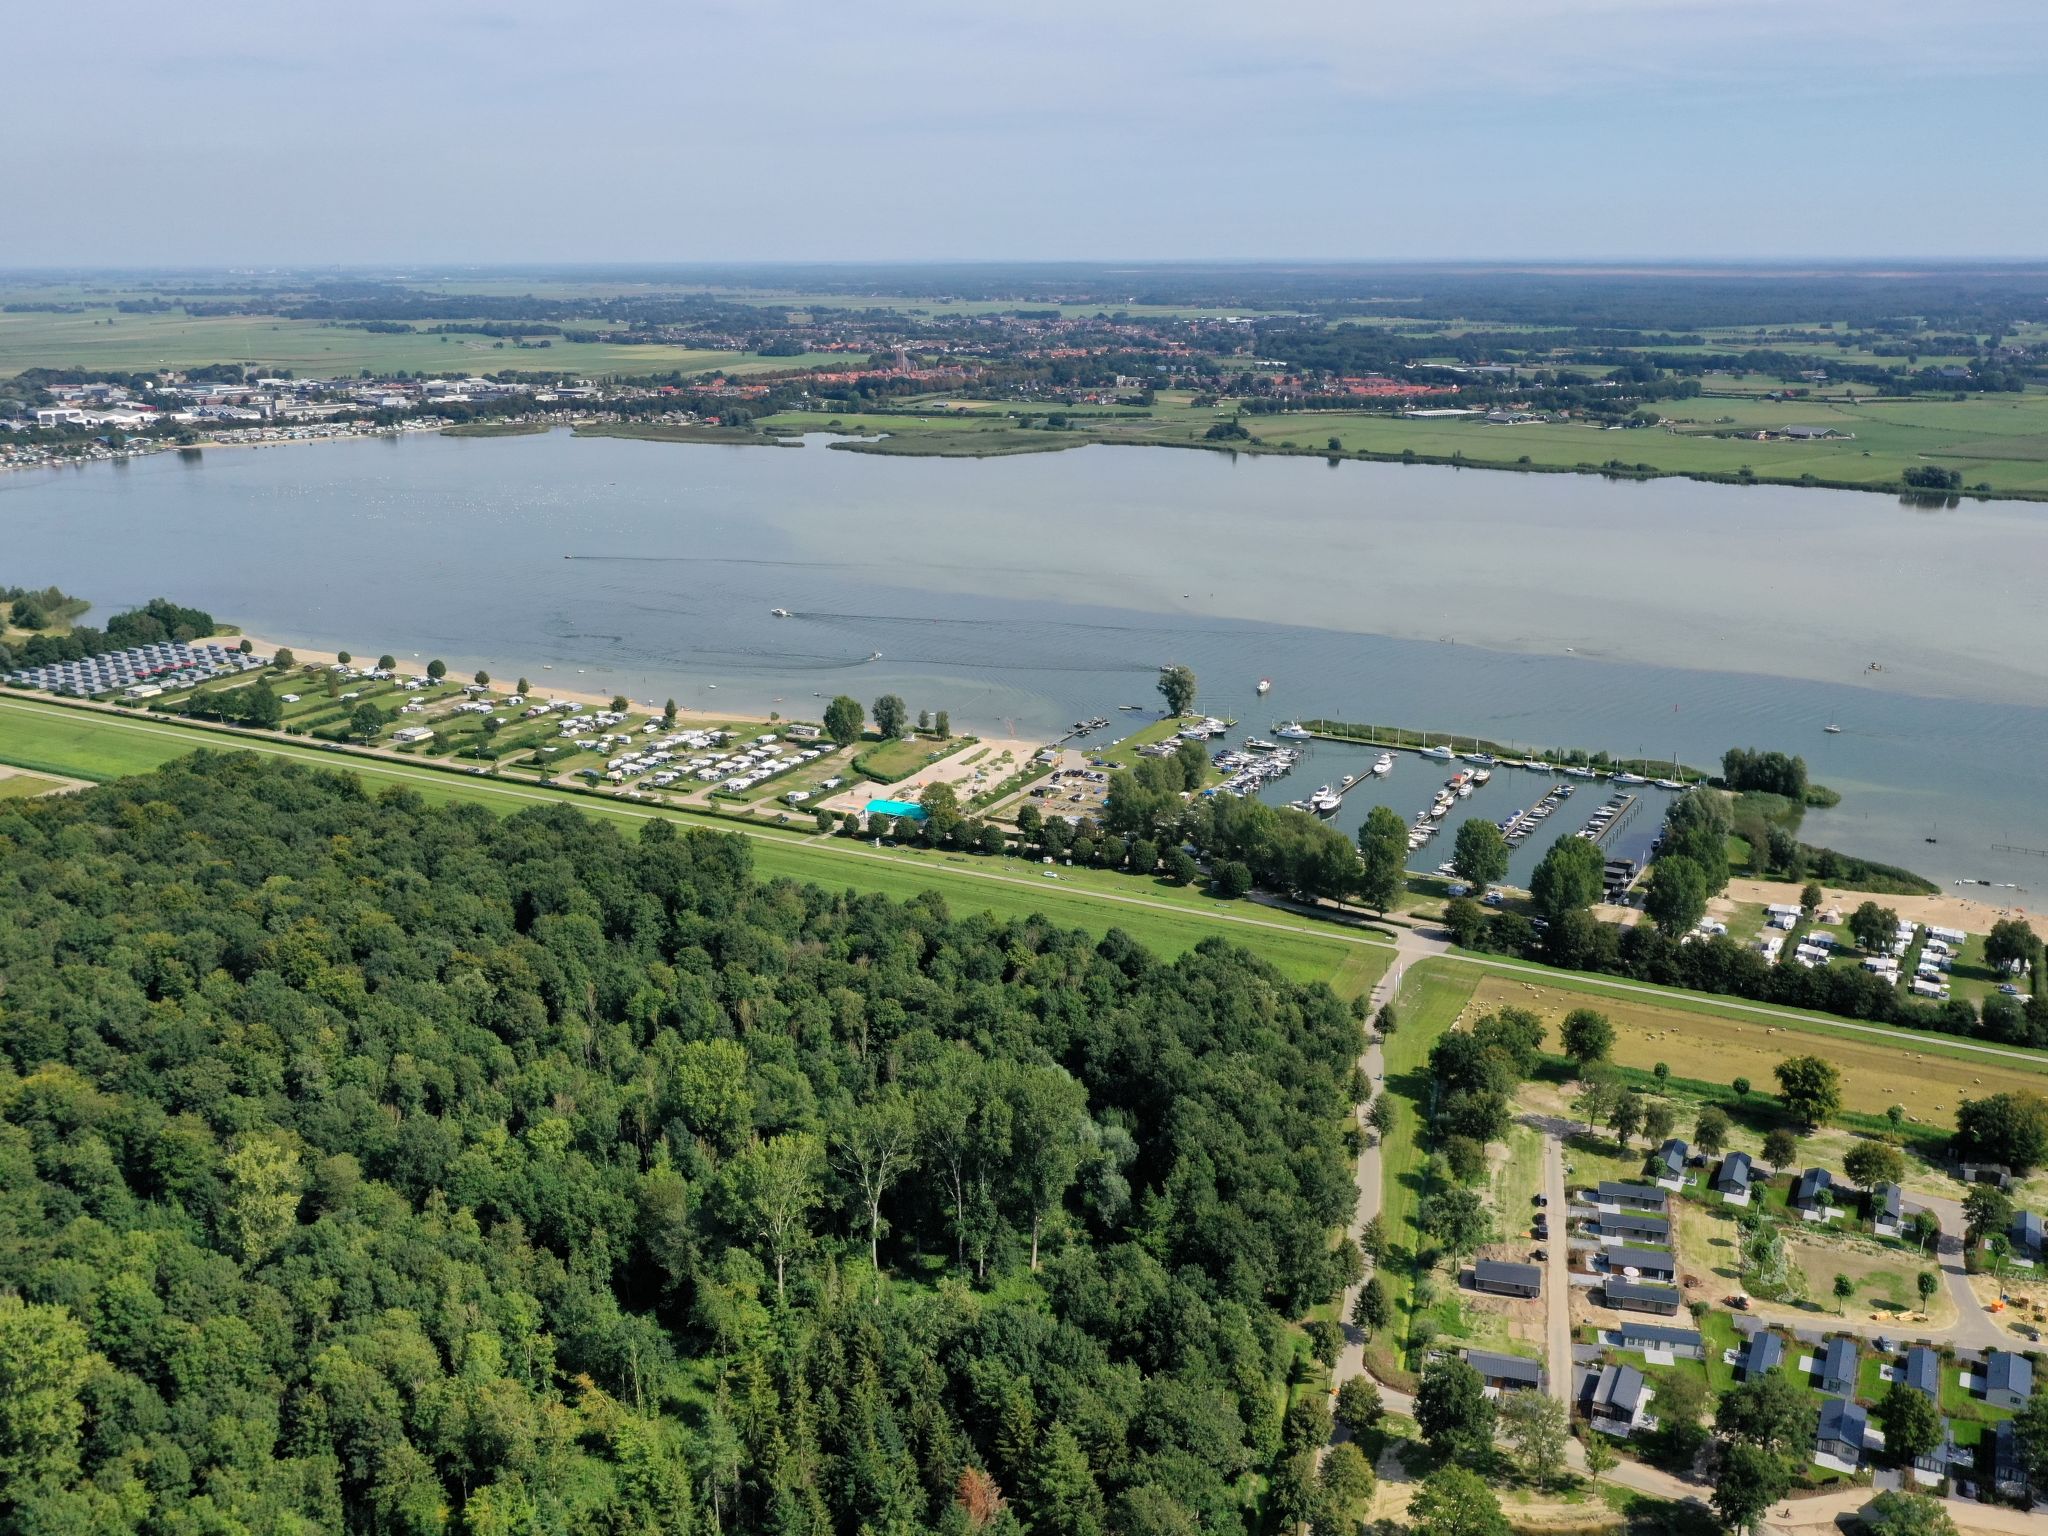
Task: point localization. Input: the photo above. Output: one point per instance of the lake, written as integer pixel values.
(1664, 618)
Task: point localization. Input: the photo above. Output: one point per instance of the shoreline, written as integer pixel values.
(414, 666)
(910, 444)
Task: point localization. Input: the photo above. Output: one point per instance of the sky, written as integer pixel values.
(798, 130)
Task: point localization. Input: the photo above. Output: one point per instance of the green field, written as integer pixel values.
(57, 739)
(107, 339)
(2000, 440)
(25, 786)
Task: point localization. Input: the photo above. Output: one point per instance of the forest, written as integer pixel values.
(375, 1166)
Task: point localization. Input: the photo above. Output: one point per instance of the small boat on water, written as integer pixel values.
(1383, 764)
(1265, 686)
(1294, 730)
(1324, 801)
(778, 613)
(1667, 783)
(1630, 778)
(1480, 757)
(874, 656)
(1260, 744)
(1483, 776)
(1441, 754)
(1832, 729)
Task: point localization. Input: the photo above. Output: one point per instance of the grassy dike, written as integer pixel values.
(98, 745)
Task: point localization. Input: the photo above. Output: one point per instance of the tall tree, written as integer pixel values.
(1748, 1480)
(2009, 1128)
(1177, 687)
(1873, 1162)
(1710, 1130)
(1586, 1036)
(1675, 895)
(1453, 1412)
(1383, 859)
(1047, 1112)
(1902, 1512)
(44, 1363)
(1768, 1411)
(1455, 1501)
(1873, 927)
(843, 719)
(776, 1182)
(1536, 1430)
(1811, 1089)
(1480, 853)
(892, 716)
(873, 1144)
(1912, 1424)
(1570, 877)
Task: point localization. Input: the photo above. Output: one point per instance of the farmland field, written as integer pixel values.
(25, 786)
(106, 339)
(1697, 1043)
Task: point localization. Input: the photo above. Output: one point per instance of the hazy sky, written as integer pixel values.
(510, 130)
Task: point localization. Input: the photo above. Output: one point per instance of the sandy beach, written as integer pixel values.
(1948, 911)
(546, 682)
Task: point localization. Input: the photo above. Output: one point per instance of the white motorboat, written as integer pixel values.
(1265, 686)
(1441, 754)
(1294, 730)
(778, 613)
(1324, 801)
(1383, 764)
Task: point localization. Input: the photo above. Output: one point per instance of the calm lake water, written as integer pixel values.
(1665, 618)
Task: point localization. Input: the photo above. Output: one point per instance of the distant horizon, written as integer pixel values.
(1706, 131)
(1619, 266)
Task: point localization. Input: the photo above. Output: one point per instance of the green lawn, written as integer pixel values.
(886, 762)
(25, 786)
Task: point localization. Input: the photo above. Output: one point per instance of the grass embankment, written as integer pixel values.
(677, 432)
(1403, 736)
(494, 429)
(94, 745)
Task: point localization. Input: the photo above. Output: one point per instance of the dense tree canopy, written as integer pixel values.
(374, 1166)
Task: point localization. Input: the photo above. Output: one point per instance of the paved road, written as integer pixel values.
(1975, 1328)
(1351, 1359)
(1824, 1512)
(1557, 1283)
